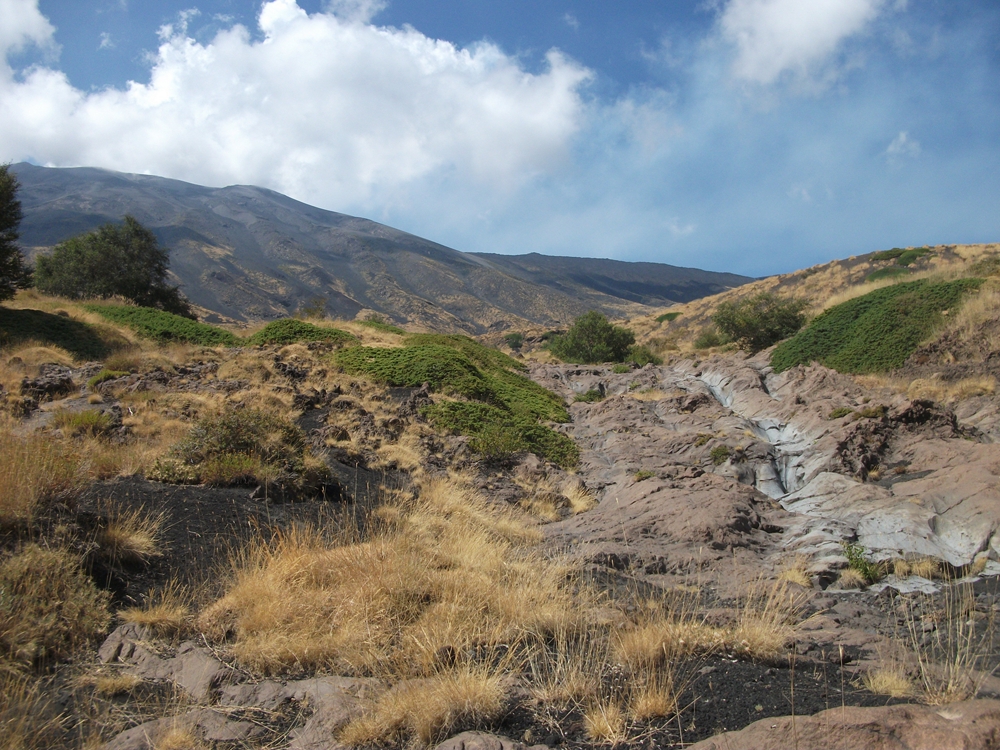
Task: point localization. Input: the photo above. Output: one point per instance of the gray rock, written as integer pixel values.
(482, 741)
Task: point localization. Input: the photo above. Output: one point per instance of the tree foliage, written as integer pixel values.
(115, 260)
(14, 274)
(593, 339)
(756, 322)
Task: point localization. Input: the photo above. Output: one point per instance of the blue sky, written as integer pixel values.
(755, 136)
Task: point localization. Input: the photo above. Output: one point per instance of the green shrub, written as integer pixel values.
(514, 340)
(876, 332)
(290, 330)
(702, 439)
(239, 446)
(839, 412)
(719, 454)
(872, 412)
(856, 559)
(641, 355)
(498, 441)
(644, 474)
(989, 266)
(591, 396)
(164, 327)
(381, 325)
(888, 254)
(105, 375)
(757, 322)
(621, 369)
(88, 422)
(910, 256)
(708, 338)
(887, 273)
(593, 339)
(667, 317)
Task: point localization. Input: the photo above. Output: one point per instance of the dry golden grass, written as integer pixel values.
(851, 579)
(179, 738)
(451, 572)
(130, 536)
(926, 567)
(794, 571)
(653, 698)
(428, 709)
(891, 681)
(604, 723)
(29, 718)
(580, 498)
(34, 470)
(766, 623)
(110, 685)
(166, 613)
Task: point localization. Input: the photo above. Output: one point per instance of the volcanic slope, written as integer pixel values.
(248, 253)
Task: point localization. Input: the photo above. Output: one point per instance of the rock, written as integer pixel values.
(192, 668)
(482, 741)
(204, 724)
(972, 725)
(53, 382)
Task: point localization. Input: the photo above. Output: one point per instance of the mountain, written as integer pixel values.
(247, 253)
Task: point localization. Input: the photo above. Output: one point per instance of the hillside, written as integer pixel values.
(246, 253)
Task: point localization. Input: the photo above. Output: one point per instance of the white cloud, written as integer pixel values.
(106, 41)
(326, 109)
(572, 21)
(359, 11)
(23, 24)
(797, 38)
(902, 147)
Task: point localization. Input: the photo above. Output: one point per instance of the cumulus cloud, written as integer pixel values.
(775, 38)
(23, 24)
(106, 41)
(324, 107)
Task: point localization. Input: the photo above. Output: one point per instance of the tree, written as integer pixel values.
(756, 322)
(593, 339)
(14, 273)
(121, 260)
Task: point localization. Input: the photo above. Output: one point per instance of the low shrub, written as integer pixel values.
(93, 422)
(514, 340)
(757, 322)
(590, 397)
(858, 561)
(641, 355)
(290, 330)
(839, 412)
(381, 324)
(164, 327)
(891, 272)
(888, 254)
(876, 332)
(644, 474)
(709, 338)
(105, 375)
(621, 369)
(667, 317)
(910, 256)
(989, 266)
(593, 339)
(719, 454)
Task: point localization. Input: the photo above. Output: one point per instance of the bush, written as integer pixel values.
(105, 375)
(719, 454)
(757, 322)
(888, 254)
(514, 340)
(290, 330)
(79, 268)
(857, 560)
(876, 332)
(910, 256)
(381, 325)
(621, 369)
(164, 327)
(591, 396)
(667, 317)
(887, 273)
(641, 355)
(593, 339)
(91, 422)
(839, 412)
(708, 338)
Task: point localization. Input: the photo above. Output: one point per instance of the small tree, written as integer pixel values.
(593, 339)
(14, 274)
(122, 260)
(756, 322)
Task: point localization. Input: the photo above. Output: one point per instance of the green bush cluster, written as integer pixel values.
(640, 355)
(502, 409)
(667, 317)
(755, 323)
(590, 397)
(887, 273)
(719, 454)
(514, 340)
(240, 446)
(290, 330)
(876, 332)
(988, 266)
(710, 337)
(381, 325)
(903, 259)
(856, 559)
(840, 412)
(164, 327)
(105, 375)
(593, 339)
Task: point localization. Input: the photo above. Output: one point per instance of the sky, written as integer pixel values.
(751, 136)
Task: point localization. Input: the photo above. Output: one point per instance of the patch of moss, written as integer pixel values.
(164, 327)
(876, 332)
(290, 331)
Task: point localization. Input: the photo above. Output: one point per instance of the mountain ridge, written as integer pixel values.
(246, 253)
